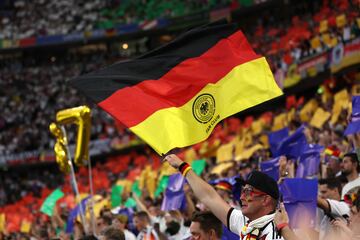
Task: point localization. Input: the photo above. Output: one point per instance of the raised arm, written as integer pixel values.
(282, 224)
(190, 206)
(139, 204)
(203, 191)
(323, 204)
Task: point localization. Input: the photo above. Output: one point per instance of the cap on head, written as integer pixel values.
(262, 182)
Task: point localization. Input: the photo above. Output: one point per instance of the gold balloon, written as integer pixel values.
(61, 157)
(59, 148)
(58, 133)
(81, 117)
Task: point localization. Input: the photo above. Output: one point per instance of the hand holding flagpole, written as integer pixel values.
(173, 160)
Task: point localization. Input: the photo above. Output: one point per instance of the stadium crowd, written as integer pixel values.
(24, 19)
(33, 92)
(135, 172)
(43, 90)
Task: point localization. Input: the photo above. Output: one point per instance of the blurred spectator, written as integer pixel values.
(351, 169)
(329, 202)
(112, 233)
(40, 18)
(204, 225)
(103, 222)
(120, 222)
(143, 225)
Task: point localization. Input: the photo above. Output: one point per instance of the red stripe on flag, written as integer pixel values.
(132, 105)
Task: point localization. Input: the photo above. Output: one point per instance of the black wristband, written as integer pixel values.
(181, 166)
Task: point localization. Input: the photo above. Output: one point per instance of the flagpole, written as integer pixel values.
(72, 172)
(91, 197)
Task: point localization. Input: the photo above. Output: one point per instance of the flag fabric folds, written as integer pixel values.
(175, 95)
(74, 213)
(309, 161)
(275, 139)
(294, 145)
(354, 125)
(130, 203)
(161, 185)
(300, 204)
(116, 192)
(48, 205)
(174, 197)
(228, 235)
(198, 166)
(135, 188)
(271, 168)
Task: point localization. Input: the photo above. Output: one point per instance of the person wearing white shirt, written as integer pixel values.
(259, 197)
(142, 223)
(350, 167)
(334, 166)
(173, 219)
(329, 202)
(120, 222)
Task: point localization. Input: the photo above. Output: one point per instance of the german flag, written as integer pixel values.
(175, 95)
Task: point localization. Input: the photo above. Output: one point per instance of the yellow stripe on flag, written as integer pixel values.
(245, 86)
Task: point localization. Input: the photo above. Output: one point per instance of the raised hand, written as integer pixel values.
(173, 160)
(281, 216)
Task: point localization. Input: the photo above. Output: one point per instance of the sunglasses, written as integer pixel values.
(249, 193)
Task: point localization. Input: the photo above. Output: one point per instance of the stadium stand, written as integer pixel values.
(24, 19)
(281, 59)
(300, 48)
